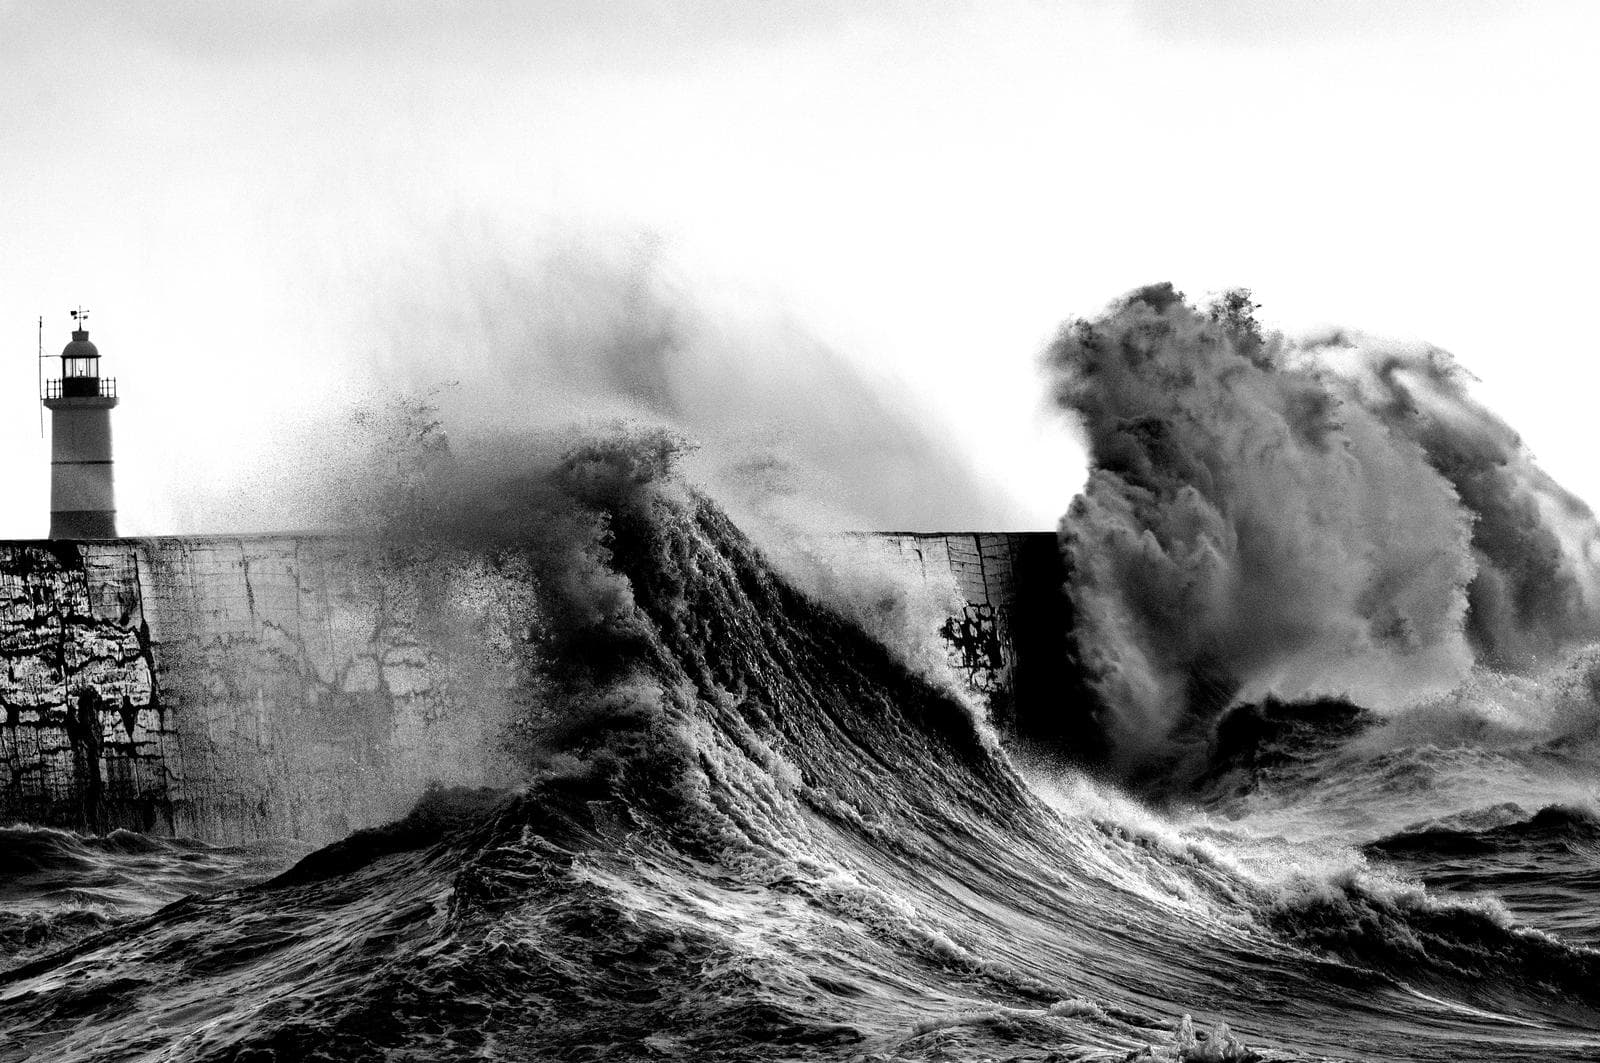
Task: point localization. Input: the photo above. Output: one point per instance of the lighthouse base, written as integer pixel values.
(83, 524)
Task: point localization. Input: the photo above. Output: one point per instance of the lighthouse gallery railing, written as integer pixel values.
(81, 387)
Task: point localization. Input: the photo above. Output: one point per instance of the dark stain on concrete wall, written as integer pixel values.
(84, 743)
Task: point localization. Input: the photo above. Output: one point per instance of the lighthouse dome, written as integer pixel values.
(80, 347)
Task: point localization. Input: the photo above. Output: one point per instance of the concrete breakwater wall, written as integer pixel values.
(235, 688)
(239, 688)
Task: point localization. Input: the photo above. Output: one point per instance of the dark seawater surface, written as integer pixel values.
(57, 886)
(752, 831)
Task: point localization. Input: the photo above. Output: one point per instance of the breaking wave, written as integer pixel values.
(752, 830)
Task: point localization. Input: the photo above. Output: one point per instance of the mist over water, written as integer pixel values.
(508, 333)
(1328, 517)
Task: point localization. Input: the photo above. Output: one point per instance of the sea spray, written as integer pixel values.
(1331, 517)
(1536, 545)
(539, 332)
(1242, 533)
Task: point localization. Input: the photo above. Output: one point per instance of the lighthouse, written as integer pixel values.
(82, 502)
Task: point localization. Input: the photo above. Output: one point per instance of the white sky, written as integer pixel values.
(239, 191)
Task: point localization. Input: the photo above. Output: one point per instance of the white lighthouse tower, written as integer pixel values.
(82, 501)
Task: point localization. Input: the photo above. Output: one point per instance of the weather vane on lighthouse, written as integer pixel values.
(82, 496)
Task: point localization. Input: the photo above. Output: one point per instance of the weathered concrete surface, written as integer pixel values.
(83, 725)
(234, 688)
(237, 688)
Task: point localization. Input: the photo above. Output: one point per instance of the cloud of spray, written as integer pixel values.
(1535, 545)
(1262, 516)
(568, 327)
(511, 331)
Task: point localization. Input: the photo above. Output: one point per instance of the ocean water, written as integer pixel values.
(753, 831)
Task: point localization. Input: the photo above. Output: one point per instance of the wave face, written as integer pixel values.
(1332, 517)
(1544, 864)
(753, 831)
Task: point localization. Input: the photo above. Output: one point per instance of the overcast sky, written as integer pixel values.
(275, 208)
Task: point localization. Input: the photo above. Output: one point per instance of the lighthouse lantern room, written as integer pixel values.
(82, 499)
